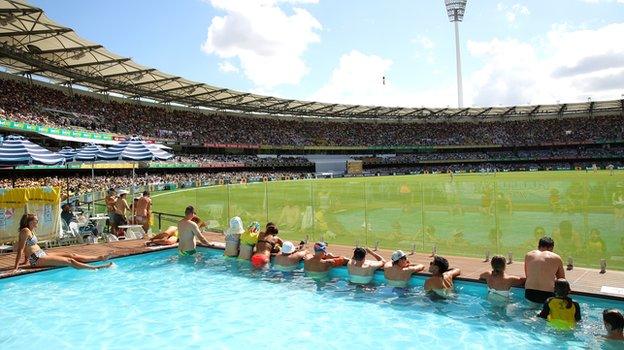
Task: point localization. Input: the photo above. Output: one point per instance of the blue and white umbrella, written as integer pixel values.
(88, 152)
(16, 150)
(68, 153)
(134, 149)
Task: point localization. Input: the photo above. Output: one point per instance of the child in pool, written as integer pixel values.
(560, 310)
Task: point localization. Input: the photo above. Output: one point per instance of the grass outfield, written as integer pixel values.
(467, 214)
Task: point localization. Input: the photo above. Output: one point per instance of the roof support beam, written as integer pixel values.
(534, 110)
(20, 11)
(256, 100)
(285, 102)
(485, 111)
(100, 63)
(134, 72)
(562, 109)
(35, 32)
(299, 106)
(508, 111)
(460, 112)
(392, 110)
(346, 109)
(189, 87)
(329, 107)
(156, 81)
(229, 98)
(439, 111)
(68, 49)
(368, 110)
(414, 112)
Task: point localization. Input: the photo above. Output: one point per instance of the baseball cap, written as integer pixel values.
(397, 255)
(320, 247)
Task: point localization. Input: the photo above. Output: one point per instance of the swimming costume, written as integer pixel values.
(359, 279)
(259, 260)
(34, 257)
(316, 275)
(32, 240)
(556, 311)
(396, 283)
(285, 268)
(537, 296)
(501, 293)
(187, 252)
(441, 292)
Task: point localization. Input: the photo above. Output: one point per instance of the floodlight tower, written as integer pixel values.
(455, 10)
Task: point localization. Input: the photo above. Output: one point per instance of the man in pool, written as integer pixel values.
(614, 324)
(318, 265)
(441, 280)
(361, 270)
(187, 231)
(542, 267)
(400, 270)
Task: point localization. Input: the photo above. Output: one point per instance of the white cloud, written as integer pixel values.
(359, 79)
(227, 67)
(268, 42)
(425, 48)
(567, 65)
(602, 1)
(513, 12)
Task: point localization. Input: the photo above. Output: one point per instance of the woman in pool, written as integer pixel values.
(441, 280)
(267, 243)
(36, 257)
(560, 310)
(499, 283)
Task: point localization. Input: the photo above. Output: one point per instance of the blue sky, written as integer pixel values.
(514, 52)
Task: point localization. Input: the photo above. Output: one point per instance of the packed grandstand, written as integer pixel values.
(228, 135)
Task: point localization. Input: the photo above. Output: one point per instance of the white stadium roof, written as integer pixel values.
(33, 44)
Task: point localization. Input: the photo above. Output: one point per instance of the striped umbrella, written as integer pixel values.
(88, 152)
(68, 153)
(134, 149)
(16, 150)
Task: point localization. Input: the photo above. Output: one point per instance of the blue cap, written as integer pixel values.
(320, 247)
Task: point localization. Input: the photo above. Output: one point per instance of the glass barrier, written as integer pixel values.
(475, 215)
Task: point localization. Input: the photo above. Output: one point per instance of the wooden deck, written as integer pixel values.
(583, 281)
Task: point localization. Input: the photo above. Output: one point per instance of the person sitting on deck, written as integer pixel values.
(289, 257)
(318, 265)
(560, 310)
(614, 324)
(499, 283)
(232, 236)
(361, 271)
(441, 280)
(541, 268)
(167, 237)
(188, 230)
(35, 256)
(399, 271)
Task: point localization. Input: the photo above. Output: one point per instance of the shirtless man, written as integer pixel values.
(110, 200)
(121, 206)
(441, 280)
(289, 257)
(187, 231)
(361, 271)
(542, 267)
(400, 270)
(143, 211)
(319, 264)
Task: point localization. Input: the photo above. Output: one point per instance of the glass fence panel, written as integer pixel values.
(338, 211)
(394, 212)
(459, 214)
(211, 206)
(249, 202)
(290, 207)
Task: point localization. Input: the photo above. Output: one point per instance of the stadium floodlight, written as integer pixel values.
(455, 10)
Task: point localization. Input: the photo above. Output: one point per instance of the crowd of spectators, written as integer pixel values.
(248, 160)
(42, 105)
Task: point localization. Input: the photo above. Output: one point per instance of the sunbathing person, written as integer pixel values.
(290, 257)
(361, 271)
(267, 242)
(36, 257)
(499, 283)
(399, 271)
(318, 265)
(441, 280)
(167, 237)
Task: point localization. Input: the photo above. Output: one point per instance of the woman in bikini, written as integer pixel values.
(499, 283)
(267, 242)
(36, 257)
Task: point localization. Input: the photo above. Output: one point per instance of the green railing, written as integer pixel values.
(467, 215)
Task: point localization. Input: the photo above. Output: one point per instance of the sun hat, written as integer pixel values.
(320, 247)
(397, 255)
(288, 247)
(236, 226)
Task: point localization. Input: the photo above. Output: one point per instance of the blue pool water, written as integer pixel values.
(156, 300)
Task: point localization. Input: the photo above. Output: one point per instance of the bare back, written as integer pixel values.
(397, 273)
(143, 206)
(187, 230)
(367, 268)
(542, 268)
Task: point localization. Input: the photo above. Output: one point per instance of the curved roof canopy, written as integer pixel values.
(31, 43)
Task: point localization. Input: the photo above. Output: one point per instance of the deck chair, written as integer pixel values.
(70, 234)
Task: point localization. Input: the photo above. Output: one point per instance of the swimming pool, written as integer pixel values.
(156, 300)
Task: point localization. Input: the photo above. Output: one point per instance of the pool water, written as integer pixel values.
(157, 300)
